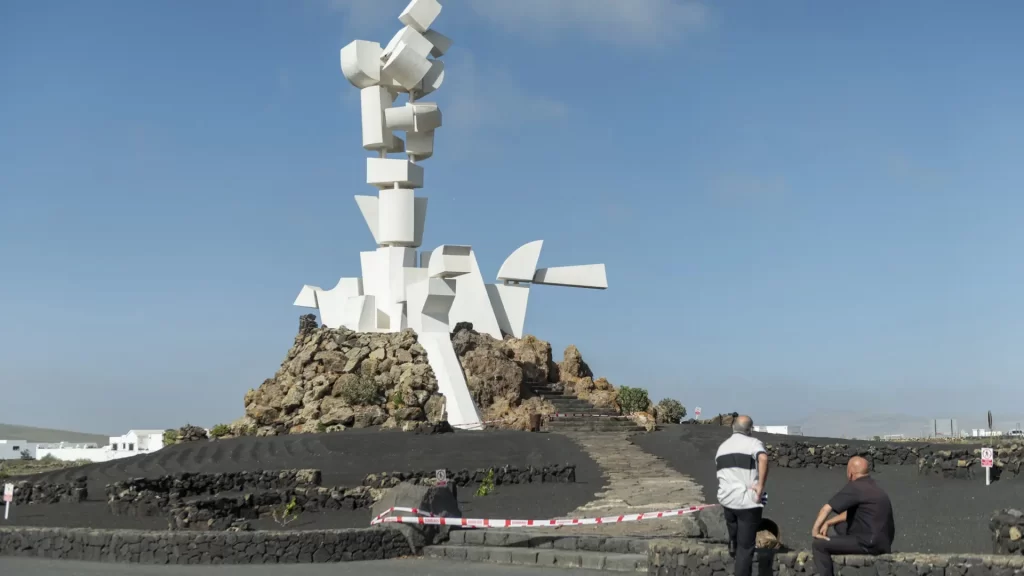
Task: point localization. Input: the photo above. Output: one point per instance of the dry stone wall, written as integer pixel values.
(27, 492)
(564, 473)
(810, 455)
(965, 463)
(133, 546)
(1008, 532)
(681, 558)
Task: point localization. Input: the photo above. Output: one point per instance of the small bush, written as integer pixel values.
(321, 427)
(671, 411)
(487, 486)
(220, 430)
(170, 437)
(633, 399)
(286, 513)
(361, 392)
(26, 455)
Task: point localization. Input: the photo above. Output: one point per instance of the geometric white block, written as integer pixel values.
(414, 39)
(440, 296)
(368, 268)
(586, 276)
(388, 172)
(509, 302)
(420, 14)
(333, 303)
(368, 206)
(419, 117)
(472, 303)
(421, 221)
(449, 261)
(373, 101)
(360, 314)
(360, 63)
(451, 380)
(420, 144)
(439, 42)
(306, 297)
(406, 66)
(521, 265)
(397, 216)
(432, 81)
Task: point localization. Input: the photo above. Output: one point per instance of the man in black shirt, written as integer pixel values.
(867, 513)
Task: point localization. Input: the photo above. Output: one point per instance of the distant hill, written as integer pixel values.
(30, 434)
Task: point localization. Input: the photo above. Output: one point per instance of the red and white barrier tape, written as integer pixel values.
(586, 414)
(425, 518)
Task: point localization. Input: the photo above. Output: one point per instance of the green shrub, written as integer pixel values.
(671, 411)
(220, 430)
(170, 437)
(487, 486)
(633, 399)
(361, 392)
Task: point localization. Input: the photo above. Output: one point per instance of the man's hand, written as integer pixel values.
(823, 532)
(758, 492)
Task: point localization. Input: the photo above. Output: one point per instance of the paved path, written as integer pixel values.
(418, 567)
(635, 482)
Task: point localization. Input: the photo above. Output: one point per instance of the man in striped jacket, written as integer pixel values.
(742, 465)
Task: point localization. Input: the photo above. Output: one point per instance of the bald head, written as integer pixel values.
(857, 467)
(742, 425)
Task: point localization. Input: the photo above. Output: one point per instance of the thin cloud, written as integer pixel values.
(615, 21)
(483, 98)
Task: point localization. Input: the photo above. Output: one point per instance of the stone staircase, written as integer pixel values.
(534, 548)
(586, 417)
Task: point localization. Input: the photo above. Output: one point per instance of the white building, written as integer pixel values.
(136, 442)
(133, 443)
(12, 449)
(785, 430)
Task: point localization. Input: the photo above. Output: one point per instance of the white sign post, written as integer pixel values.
(8, 496)
(442, 477)
(696, 413)
(986, 463)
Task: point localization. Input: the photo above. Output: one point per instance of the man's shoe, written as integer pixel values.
(732, 549)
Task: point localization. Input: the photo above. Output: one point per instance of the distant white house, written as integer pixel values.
(12, 449)
(982, 433)
(133, 443)
(786, 430)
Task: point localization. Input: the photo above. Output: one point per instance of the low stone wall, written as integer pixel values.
(206, 548)
(808, 455)
(504, 475)
(1007, 532)
(197, 484)
(234, 512)
(27, 493)
(154, 496)
(680, 558)
(965, 463)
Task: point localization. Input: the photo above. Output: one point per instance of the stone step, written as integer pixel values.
(568, 559)
(560, 397)
(554, 426)
(609, 418)
(545, 539)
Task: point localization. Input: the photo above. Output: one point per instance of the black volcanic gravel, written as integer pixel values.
(344, 458)
(933, 515)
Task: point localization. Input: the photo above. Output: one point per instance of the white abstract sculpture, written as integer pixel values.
(432, 291)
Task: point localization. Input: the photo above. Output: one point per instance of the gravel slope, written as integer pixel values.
(344, 458)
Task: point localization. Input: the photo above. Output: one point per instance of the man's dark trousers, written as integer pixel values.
(742, 525)
(824, 549)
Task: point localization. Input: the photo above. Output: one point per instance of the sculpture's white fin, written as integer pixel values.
(585, 276)
(521, 265)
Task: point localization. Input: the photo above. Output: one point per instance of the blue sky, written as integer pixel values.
(803, 206)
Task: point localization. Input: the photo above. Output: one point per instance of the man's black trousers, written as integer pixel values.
(742, 526)
(824, 549)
